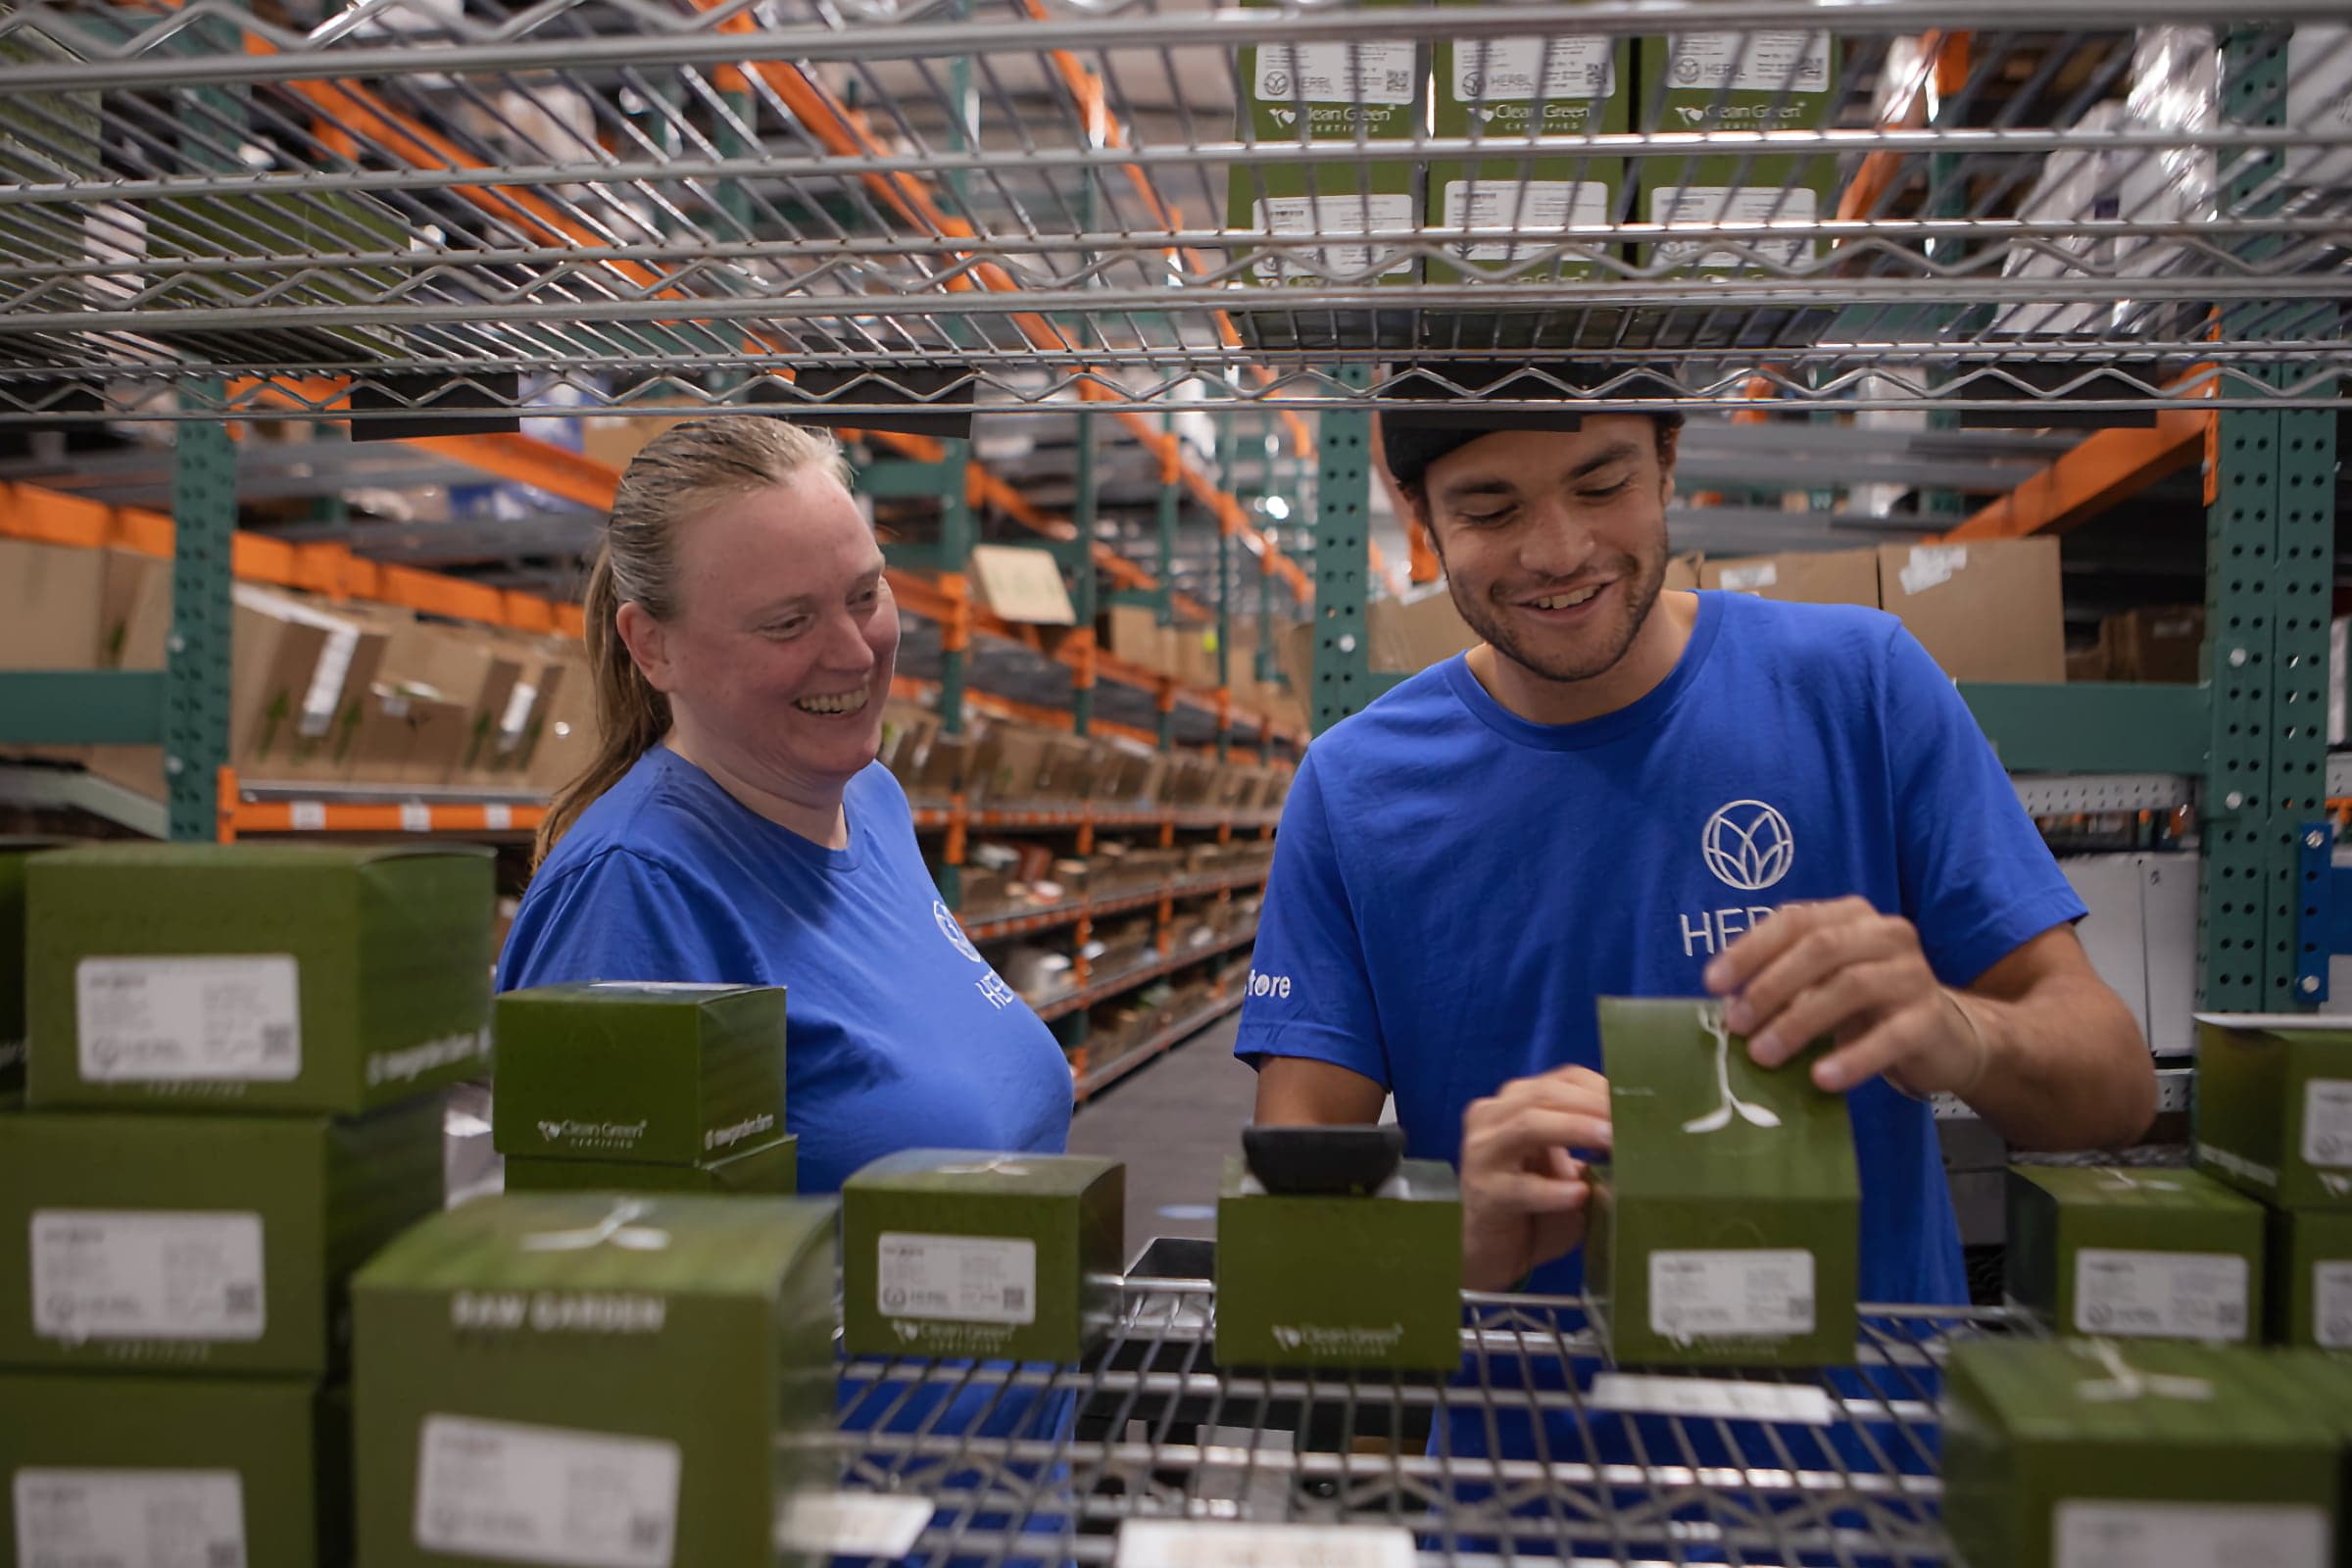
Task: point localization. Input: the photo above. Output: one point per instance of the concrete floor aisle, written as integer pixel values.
(1173, 1122)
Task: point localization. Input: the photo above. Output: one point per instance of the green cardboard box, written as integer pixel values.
(1726, 1225)
(255, 977)
(2134, 1253)
(200, 1244)
(1319, 1281)
(2274, 1107)
(590, 1379)
(951, 1252)
(2310, 1282)
(627, 1070)
(2102, 1454)
(128, 1472)
(15, 855)
(772, 1170)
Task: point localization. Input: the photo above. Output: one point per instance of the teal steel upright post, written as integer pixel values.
(1342, 659)
(196, 673)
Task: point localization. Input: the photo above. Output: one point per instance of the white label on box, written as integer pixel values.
(853, 1524)
(1768, 60)
(129, 1518)
(325, 695)
(2164, 1296)
(1201, 1544)
(1733, 204)
(1749, 579)
(2328, 1121)
(1343, 213)
(1931, 567)
(2187, 1535)
(236, 1019)
(1545, 205)
(1360, 73)
(308, 816)
(147, 1274)
(2332, 1306)
(415, 818)
(971, 1279)
(548, 1495)
(1713, 1397)
(1761, 1292)
(1520, 69)
(498, 818)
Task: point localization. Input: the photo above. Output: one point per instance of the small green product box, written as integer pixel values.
(2274, 1107)
(1726, 1225)
(2161, 1254)
(598, 1380)
(618, 1071)
(205, 1244)
(247, 979)
(1342, 1280)
(950, 1252)
(16, 854)
(124, 1472)
(2097, 1453)
(2310, 1283)
(771, 1170)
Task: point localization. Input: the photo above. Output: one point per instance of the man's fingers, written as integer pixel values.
(1734, 969)
(1526, 1193)
(1510, 1139)
(1856, 995)
(1890, 1043)
(1812, 958)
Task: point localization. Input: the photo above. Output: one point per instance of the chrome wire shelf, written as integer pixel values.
(1819, 1467)
(604, 204)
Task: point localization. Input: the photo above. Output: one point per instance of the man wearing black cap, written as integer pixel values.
(1626, 791)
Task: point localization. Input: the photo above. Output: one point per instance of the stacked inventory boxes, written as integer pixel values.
(644, 1086)
(234, 1059)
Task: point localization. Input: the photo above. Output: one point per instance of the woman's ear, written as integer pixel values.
(648, 642)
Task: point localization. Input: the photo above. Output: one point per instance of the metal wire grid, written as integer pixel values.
(609, 200)
(1163, 1433)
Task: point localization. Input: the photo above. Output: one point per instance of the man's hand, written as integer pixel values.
(1844, 970)
(1523, 1193)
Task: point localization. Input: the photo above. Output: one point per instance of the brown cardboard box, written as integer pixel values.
(2087, 664)
(1136, 635)
(2163, 645)
(129, 576)
(944, 769)
(1410, 635)
(475, 670)
(1683, 571)
(1195, 655)
(1011, 764)
(52, 616)
(1809, 577)
(567, 740)
(1022, 584)
(1986, 611)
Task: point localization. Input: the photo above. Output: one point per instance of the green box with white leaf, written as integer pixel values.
(2274, 1107)
(1726, 1222)
(2310, 1283)
(771, 1170)
(2134, 1253)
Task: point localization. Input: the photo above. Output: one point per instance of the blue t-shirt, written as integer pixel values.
(899, 1033)
(1454, 886)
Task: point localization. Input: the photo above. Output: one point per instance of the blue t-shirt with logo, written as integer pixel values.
(1454, 886)
(899, 1033)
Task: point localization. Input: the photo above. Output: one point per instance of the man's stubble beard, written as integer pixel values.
(1646, 580)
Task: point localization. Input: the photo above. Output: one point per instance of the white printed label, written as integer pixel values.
(1748, 1293)
(1545, 205)
(107, 1274)
(2328, 1121)
(2332, 1306)
(1358, 73)
(498, 818)
(325, 695)
(1769, 60)
(2187, 1534)
(853, 1524)
(236, 1019)
(972, 1279)
(2164, 1296)
(1931, 567)
(130, 1519)
(1747, 579)
(1197, 1543)
(519, 703)
(308, 816)
(1344, 214)
(416, 819)
(1733, 204)
(1519, 70)
(1713, 1397)
(533, 1494)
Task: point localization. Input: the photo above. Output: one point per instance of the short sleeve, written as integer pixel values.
(1976, 879)
(620, 916)
(1311, 991)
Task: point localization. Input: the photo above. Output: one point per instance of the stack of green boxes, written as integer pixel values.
(643, 1085)
(2275, 1121)
(2138, 1254)
(15, 855)
(234, 1059)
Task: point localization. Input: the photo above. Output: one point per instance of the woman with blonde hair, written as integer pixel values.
(735, 828)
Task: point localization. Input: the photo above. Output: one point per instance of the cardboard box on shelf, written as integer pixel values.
(2164, 1254)
(52, 602)
(1013, 764)
(2274, 1107)
(1022, 584)
(2310, 1282)
(630, 1071)
(771, 1170)
(2087, 665)
(1413, 634)
(1135, 634)
(200, 1244)
(1985, 611)
(568, 738)
(523, 1352)
(173, 1470)
(1726, 1223)
(2164, 646)
(1811, 577)
(255, 977)
(951, 1252)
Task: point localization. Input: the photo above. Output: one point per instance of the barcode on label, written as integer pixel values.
(278, 1042)
(648, 1530)
(1016, 1299)
(224, 1554)
(241, 1300)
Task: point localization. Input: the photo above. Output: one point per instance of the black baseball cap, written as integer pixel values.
(1440, 408)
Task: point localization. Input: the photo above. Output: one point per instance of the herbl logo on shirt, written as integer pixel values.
(1748, 846)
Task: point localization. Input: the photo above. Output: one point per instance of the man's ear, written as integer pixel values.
(1670, 441)
(648, 642)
